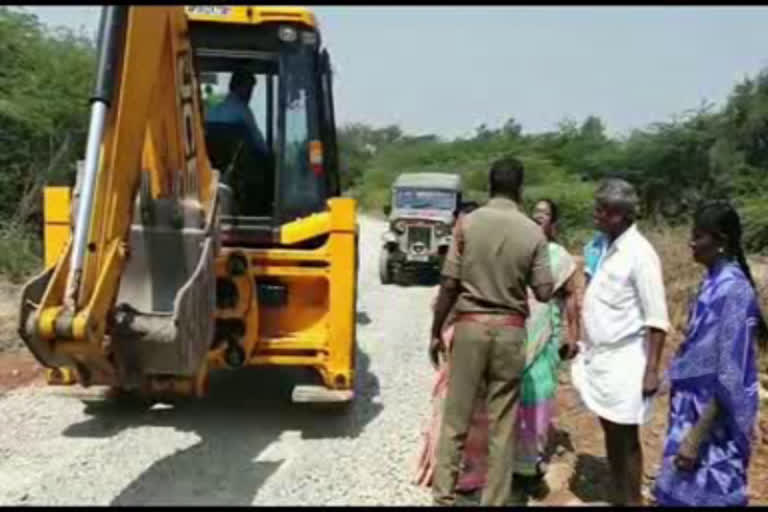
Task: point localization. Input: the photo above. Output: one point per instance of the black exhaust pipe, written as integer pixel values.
(114, 20)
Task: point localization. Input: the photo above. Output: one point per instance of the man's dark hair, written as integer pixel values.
(506, 178)
(241, 78)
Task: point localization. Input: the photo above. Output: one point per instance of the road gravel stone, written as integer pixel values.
(246, 443)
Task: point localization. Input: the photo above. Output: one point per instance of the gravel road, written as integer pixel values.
(246, 443)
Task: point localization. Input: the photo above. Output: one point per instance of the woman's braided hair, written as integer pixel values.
(720, 218)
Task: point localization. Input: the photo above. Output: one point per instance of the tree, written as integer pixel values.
(482, 132)
(592, 129)
(358, 143)
(44, 89)
(512, 128)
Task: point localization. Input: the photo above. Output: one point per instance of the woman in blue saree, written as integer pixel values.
(713, 376)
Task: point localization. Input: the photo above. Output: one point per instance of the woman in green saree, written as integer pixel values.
(548, 340)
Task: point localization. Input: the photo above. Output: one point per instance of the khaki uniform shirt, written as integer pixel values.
(496, 254)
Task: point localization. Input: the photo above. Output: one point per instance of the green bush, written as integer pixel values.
(44, 85)
(20, 253)
(472, 160)
(754, 215)
(703, 153)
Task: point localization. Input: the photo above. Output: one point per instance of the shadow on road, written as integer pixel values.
(590, 479)
(362, 318)
(244, 413)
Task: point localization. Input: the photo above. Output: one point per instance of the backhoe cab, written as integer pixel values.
(206, 227)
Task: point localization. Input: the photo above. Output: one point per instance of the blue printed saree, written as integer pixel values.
(717, 361)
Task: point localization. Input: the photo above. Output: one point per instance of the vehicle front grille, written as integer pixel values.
(420, 235)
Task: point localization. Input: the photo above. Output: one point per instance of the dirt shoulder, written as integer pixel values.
(17, 366)
(9, 307)
(582, 474)
(18, 369)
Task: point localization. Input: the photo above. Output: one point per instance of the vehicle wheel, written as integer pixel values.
(401, 276)
(385, 271)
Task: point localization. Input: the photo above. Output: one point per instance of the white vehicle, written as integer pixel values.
(422, 213)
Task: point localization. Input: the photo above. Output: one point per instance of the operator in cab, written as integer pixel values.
(237, 147)
(234, 110)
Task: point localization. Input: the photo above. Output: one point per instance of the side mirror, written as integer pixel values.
(387, 209)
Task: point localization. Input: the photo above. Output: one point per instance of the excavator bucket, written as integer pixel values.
(131, 301)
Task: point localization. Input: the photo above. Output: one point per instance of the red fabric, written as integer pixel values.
(511, 320)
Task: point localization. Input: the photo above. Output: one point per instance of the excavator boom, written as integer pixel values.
(146, 208)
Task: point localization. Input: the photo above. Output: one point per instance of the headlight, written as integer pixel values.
(287, 34)
(309, 38)
(399, 226)
(442, 229)
(388, 237)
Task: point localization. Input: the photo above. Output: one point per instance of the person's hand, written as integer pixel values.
(436, 347)
(687, 454)
(683, 462)
(650, 383)
(568, 350)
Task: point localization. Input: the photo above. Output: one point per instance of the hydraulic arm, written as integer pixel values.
(132, 297)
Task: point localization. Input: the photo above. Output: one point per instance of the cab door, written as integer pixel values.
(301, 183)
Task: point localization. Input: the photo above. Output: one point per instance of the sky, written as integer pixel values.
(447, 70)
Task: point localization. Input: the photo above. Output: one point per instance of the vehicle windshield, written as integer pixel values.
(262, 148)
(425, 199)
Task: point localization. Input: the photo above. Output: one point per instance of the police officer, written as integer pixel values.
(496, 254)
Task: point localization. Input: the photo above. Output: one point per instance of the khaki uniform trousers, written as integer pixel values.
(493, 352)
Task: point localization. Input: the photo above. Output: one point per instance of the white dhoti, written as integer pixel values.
(624, 300)
(609, 379)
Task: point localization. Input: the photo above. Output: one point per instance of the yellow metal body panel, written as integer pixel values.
(319, 317)
(304, 229)
(56, 213)
(251, 14)
(316, 326)
(56, 204)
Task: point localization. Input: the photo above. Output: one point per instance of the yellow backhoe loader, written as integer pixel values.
(183, 246)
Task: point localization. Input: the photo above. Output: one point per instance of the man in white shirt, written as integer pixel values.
(234, 109)
(625, 323)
